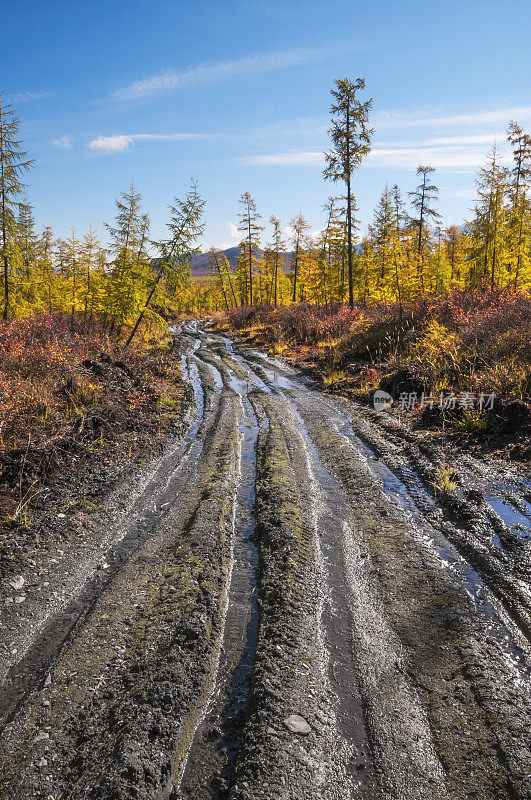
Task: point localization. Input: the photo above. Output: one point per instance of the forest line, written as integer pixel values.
(406, 253)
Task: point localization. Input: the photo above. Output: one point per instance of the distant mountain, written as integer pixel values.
(200, 267)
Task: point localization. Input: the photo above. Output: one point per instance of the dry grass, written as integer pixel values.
(67, 391)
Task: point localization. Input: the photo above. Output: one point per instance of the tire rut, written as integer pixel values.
(277, 626)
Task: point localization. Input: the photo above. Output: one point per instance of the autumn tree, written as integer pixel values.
(125, 236)
(422, 201)
(487, 229)
(351, 142)
(221, 270)
(299, 226)
(520, 211)
(384, 236)
(14, 162)
(93, 262)
(250, 227)
(454, 244)
(275, 251)
(176, 252)
(45, 267)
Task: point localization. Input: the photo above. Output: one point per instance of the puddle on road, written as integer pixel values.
(406, 488)
(518, 520)
(411, 495)
(217, 740)
(408, 497)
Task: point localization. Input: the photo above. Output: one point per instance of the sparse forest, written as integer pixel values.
(407, 252)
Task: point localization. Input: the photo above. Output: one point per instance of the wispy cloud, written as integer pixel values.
(64, 141)
(304, 159)
(450, 153)
(421, 119)
(118, 142)
(221, 71)
(449, 159)
(26, 97)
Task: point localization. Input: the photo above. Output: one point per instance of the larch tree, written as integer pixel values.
(25, 277)
(176, 252)
(221, 270)
(276, 250)
(488, 242)
(14, 162)
(351, 142)
(422, 199)
(400, 219)
(250, 228)
(125, 236)
(453, 243)
(93, 264)
(299, 227)
(46, 267)
(520, 213)
(383, 235)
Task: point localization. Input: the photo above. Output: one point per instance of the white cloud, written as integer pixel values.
(213, 73)
(417, 119)
(234, 233)
(452, 153)
(483, 138)
(448, 159)
(25, 97)
(64, 141)
(113, 144)
(306, 159)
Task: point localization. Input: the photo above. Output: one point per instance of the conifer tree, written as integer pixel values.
(250, 227)
(520, 222)
(14, 162)
(25, 253)
(422, 199)
(46, 267)
(175, 252)
(455, 255)
(125, 237)
(276, 249)
(488, 226)
(220, 268)
(92, 258)
(299, 226)
(383, 234)
(351, 142)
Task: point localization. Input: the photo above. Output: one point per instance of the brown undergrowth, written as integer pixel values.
(72, 396)
(460, 363)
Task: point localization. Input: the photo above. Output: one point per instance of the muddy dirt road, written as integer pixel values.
(281, 606)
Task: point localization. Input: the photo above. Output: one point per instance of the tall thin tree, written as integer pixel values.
(14, 162)
(351, 142)
(184, 228)
(423, 198)
(250, 227)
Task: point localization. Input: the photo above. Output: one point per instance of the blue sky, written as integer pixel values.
(236, 94)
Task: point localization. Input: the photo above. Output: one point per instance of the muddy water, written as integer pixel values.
(217, 740)
(209, 765)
